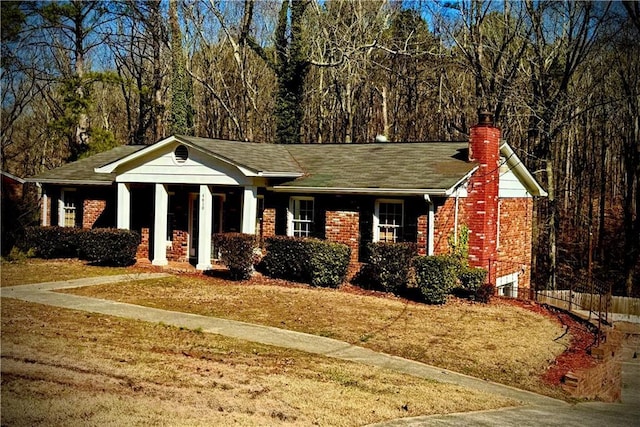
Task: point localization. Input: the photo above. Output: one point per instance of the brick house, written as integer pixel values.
(179, 191)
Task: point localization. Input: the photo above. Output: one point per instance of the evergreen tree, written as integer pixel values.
(181, 86)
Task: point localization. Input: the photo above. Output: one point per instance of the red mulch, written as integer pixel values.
(576, 356)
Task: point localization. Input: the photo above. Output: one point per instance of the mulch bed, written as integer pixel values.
(577, 356)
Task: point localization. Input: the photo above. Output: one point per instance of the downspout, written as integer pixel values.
(430, 225)
(455, 220)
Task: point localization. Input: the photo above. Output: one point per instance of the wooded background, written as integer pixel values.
(562, 79)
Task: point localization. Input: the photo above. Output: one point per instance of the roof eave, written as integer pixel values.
(461, 181)
(68, 181)
(521, 171)
(267, 174)
(360, 191)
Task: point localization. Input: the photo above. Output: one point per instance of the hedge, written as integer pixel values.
(108, 246)
(237, 253)
(436, 277)
(51, 242)
(104, 246)
(389, 265)
(471, 279)
(307, 260)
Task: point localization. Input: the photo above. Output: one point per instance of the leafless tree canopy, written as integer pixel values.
(561, 77)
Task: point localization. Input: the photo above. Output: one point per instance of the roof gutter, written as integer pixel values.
(67, 181)
(462, 180)
(361, 191)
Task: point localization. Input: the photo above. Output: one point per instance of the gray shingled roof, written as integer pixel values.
(403, 166)
(82, 171)
(270, 158)
(428, 166)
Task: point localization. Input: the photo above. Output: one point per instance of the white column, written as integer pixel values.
(46, 215)
(161, 207)
(249, 207)
(205, 219)
(430, 228)
(123, 207)
(60, 209)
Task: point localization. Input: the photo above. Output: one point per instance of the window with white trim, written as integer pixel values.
(507, 286)
(388, 221)
(300, 217)
(67, 208)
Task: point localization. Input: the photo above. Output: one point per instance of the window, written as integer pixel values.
(300, 217)
(507, 286)
(387, 221)
(67, 208)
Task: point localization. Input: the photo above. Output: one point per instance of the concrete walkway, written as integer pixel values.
(538, 409)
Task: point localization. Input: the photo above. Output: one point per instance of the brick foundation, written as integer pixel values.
(143, 247)
(179, 250)
(603, 380)
(91, 211)
(268, 223)
(344, 227)
(423, 234)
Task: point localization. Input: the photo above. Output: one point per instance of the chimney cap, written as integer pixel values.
(485, 117)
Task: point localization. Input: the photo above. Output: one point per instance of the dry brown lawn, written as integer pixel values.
(65, 367)
(499, 342)
(48, 270)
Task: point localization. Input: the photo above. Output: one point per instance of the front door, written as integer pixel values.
(194, 216)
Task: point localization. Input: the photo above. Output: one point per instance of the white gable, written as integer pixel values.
(162, 166)
(509, 184)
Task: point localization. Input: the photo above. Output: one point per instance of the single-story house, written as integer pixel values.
(181, 190)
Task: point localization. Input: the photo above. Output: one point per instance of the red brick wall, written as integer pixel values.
(444, 220)
(143, 248)
(514, 246)
(423, 234)
(482, 194)
(603, 379)
(268, 223)
(45, 209)
(91, 211)
(179, 250)
(344, 227)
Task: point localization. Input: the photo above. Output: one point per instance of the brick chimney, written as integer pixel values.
(482, 193)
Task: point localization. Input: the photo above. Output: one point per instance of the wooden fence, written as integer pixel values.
(587, 301)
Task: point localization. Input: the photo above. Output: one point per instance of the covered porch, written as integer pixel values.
(177, 221)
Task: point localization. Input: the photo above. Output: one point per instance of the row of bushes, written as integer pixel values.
(313, 261)
(390, 266)
(104, 246)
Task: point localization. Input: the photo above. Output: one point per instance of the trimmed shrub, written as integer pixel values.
(329, 263)
(237, 252)
(471, 279)
(313, 261)
(52, 242)
(436, 276)
(287, 258)
(484, 293)
(108, 246)
(390, 264)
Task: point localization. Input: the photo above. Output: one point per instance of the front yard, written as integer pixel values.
(49, 355)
